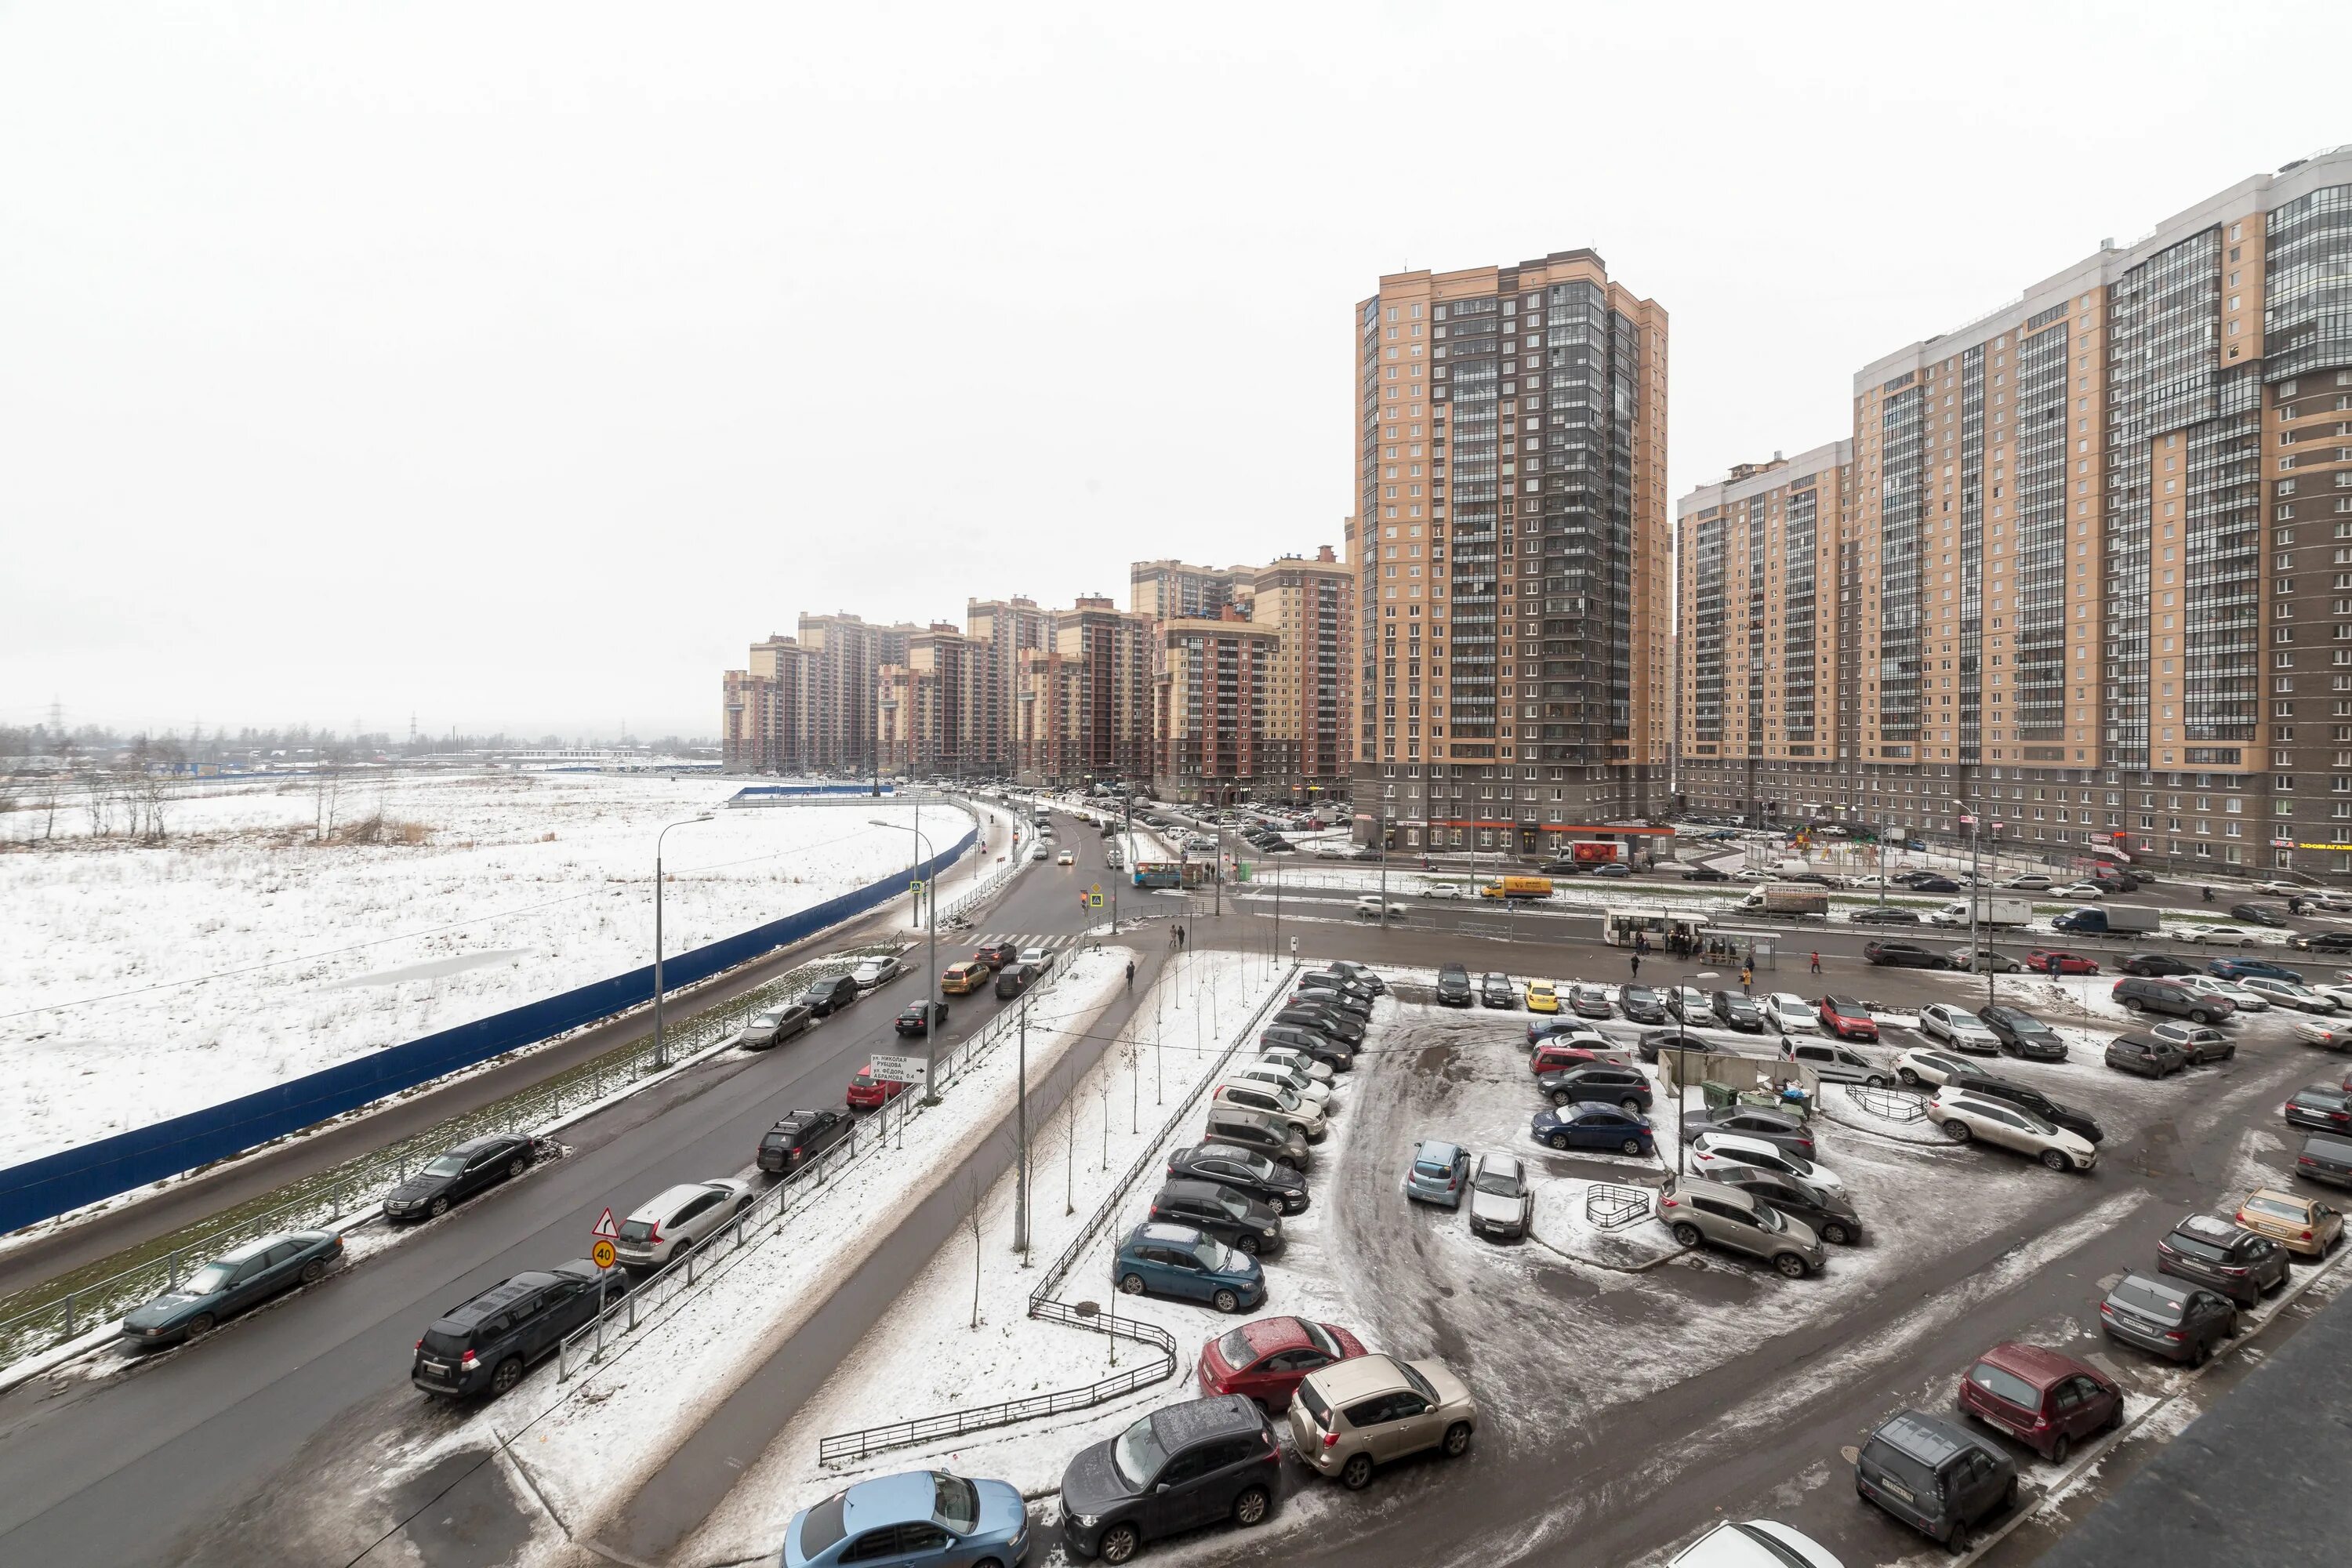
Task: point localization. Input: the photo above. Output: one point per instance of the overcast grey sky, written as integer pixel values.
(518, 365)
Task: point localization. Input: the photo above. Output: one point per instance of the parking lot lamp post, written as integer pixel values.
(661, 1049)
(931, 1018)
(1975, 851)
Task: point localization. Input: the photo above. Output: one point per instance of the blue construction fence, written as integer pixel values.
(57, 1183)
(757, 794)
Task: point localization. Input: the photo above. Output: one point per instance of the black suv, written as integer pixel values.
(485, 1343)
(1454, 986)
(1934, 1475)
(1347, 1031)
(1902, 955)
(2214, 1251)
(1243, 1171)
(2023, 1035)
(2140, 995)
(458, 1175)
(2080, 1123)
(800, 1138)
(1624, 1087)
(1238, 1220)
(830, 994)
(1181, 1467)
(1319, 995)
(1015, 978)
(1829, 1216)
(1737, 1010)
(1311, 1039)
(2157, 965)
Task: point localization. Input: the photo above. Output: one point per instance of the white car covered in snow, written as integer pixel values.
(1297, 1061)
(875, 972)
(1919, 1066)
(1713, 1151)
(1500, 1199)
(2223, 936)
(1755, 1543)
(1314, 1092)
(2231, 991)
(1791, 1014)
(1965, 1117)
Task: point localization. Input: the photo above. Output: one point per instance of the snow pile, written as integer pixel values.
(138, 982)
(1563, 1222)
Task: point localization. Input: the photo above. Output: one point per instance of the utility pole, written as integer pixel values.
(1021, 1117)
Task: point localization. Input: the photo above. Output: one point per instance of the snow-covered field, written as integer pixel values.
(142, 981)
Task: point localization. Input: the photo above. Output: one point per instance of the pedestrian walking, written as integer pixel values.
(1636, 960)
(1747, 978)
(1817, 964)
(1180, 938)
(1131, 974)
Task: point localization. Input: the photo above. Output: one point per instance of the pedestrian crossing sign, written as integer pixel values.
(1094, 900)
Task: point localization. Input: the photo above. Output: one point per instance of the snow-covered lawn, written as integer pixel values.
(927, 1357)
(138, 981)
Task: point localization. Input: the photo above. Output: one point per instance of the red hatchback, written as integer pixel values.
(867, 1093)
(1264, 1361)
(2047, 1400)
(2038, 960)
(1549, 1058)
(1848, 1019)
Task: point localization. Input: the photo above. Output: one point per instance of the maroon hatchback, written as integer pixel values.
(2047, 1400)
(1266, 1360)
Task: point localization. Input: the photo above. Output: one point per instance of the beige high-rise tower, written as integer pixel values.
(1514, 556)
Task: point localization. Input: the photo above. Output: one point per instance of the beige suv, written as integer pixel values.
(1357, 1413)
(1700, 1211)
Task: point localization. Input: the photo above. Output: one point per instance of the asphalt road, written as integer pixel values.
(182, 1456)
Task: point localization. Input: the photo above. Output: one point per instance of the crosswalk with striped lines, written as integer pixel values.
(1026, 938)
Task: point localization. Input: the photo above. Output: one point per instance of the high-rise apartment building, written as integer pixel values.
(1218, 740)
(765, 711)
(928, 710)
(2090, 586)
(1757, 558)
(1169, 590)
(1512, 549)
(1311, 605)
(1005, 629)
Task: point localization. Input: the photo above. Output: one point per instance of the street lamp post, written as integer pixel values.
(661, 1046)
(930, 1017)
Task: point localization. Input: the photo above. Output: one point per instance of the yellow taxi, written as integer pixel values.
(963, 979)
(2296, 1223)
(1543, 996)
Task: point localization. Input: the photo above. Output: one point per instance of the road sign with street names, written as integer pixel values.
(899, 1069)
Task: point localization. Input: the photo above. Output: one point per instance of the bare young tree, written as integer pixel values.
(973, 1222)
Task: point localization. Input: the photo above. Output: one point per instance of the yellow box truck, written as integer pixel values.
(1517, 888)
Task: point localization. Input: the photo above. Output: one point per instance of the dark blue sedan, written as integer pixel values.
(2240, 968)
(1587, 1124)
(243, 1278)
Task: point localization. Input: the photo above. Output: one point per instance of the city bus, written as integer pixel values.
(1620, 927)
(1158, 874)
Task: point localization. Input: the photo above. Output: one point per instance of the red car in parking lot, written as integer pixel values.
(2047, 1400)
(1848, 1019)
(2039, 960)
(1549, 1057)
(1265, 1361)
(867, 1093)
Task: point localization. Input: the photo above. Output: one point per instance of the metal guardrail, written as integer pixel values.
(843, 1447)
(1610, 1206)
(366, 1179)
(1887, 1104)
(586, 1345)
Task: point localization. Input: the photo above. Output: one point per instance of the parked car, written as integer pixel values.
(1690, 1005)
(1935, 1477)
(238, 1280)
(1957, 1028)
(1833, 1063)
(1372, 1409)
(2247, 968)
(1625, 1087)
(1242, 1223)
(1737, 1010)
(829, 994)
(1702, 874)
(1363, 975)
(1827, 1215)
(1500, 1199)
(2287, 993)
(933, 1518)
(2080, 1124)
(2302, 1225)
(2257, 915)
(1444, 890)
(1918, 1066)
(2319, 1108)
(1964, 1115)
(2039, 961)
(1180, 1262)
(797, 1140)
(1560, 1053)
(771, 1025)
(2155, 965)
(1641, 1005)
(1713, 1151)
(2047, 1400)
(2140, 995)
(1587, 1000)
(2147, 1057)
(2178, 1321)
(1439, 1172)
(1593, 1125)
(1775, 1127)
(1244, 1171)
(2326, 1158)
(1847, 1018)
(1901, 955)
(2232, 1259)
(1330, 1000)
(1177, 1468)
(1754, 1544)
(1788, 1014)
(1265, 1360)
(1273, 1100)
(451, 1177)
(1886, 915)
(682, 1217)
(876, 971)
(1016, 978)
(1298, 1062)
(1543, 996)
(2234, 992)
(2197, 1043)
(866, 1092)
(1308, 1040)
(2023, 1035)
(1454, 986)
(485, 1344)
(1653, 1041)
(1701, 1210)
